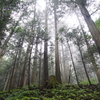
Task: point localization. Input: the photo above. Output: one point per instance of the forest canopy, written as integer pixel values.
(43, 38)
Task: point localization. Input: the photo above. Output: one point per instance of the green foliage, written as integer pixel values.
(93, 49)
(29, 98)
(22, 94)
(6, 8)
(25, 88)
(62, 30)
(93, 81)
(98, 23)
(61, 92)
(31, 87)
(85, 82)
(19, 29)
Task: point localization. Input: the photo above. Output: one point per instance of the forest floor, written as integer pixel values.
(61, 92)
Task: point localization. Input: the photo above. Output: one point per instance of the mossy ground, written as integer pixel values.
(61, 92)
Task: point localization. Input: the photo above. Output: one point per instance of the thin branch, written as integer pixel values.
(95, 11)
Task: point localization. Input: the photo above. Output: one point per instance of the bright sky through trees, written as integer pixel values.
(71, 20)
(41, 4)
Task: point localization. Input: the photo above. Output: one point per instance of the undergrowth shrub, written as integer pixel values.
(61, 92)
(85, 82)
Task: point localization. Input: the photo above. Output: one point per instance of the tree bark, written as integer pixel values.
(89, 52)
(91, 25)
(40, 55)
(7, 80)
(29, 63)
(34, 72)
(24, 65)
(64, 65)
(57, 65)
(73, 63)
(69, 75)
(13, 71)
(20, 44)
(45, 73)
(83, 63)
(92, 59)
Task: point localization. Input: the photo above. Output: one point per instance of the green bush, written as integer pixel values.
(85, 82)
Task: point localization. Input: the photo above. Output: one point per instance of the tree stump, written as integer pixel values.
(52, 82)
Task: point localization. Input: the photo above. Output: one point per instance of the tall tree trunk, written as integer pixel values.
(24, 65)
(34, 72)
(73, 63)
(19, 78)
(45, 73)
(20, 44)
(89, 52)
(29, 63)
(83, 63)
(57, 65)
(91, 25)
(91, 56)
(45, 65)
(33, 76)
(40, 55)
(13, 70)
(62, 68)
(69, 75)
(52, 63)
(64, 65)
(6, 83)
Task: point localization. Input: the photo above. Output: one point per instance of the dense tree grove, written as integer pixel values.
(49, 42)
